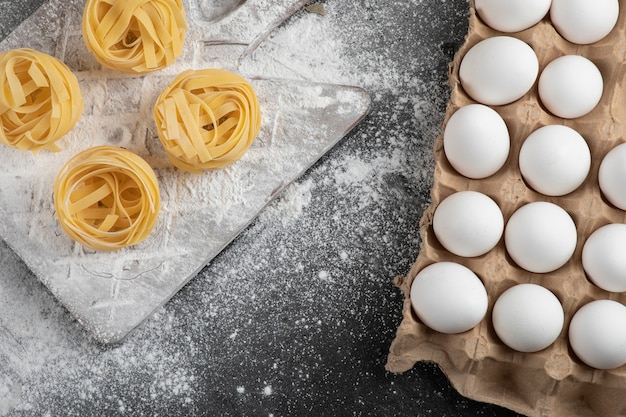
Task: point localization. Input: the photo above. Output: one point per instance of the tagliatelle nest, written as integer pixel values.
(207, 119)
(135, 36)
(107, 198)
(40, 100)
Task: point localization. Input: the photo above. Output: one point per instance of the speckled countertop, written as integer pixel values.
(296, 316)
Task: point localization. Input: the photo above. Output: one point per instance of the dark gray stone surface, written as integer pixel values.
(294, 318)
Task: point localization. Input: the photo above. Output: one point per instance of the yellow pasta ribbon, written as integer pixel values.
(207, 119)
(107, 198)
(40, 100)
(134, 36)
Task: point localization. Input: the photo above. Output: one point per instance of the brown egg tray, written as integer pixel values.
(552, 382)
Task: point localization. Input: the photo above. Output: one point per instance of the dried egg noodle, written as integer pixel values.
(107, 198)
(40, 100)
(207, 119)
(135, 36)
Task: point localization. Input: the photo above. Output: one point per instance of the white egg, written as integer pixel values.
(448, 297)
(528, 317)
(570, 86)
(476, 141)
(584, 21)
(597, 334)
(468, 223)
(612, 176)
(498, 70)
(540, 237)
(555, 160)
(604, 258)
(512, 15)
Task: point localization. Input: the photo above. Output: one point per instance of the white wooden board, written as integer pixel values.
(112, 293)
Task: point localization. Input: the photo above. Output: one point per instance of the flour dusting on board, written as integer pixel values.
(112, 293)
(222, 340)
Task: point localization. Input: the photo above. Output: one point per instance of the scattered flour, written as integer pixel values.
(324, 276)
(301, 302)
(291, 204)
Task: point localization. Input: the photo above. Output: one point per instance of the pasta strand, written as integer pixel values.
(107, 198)
(40, 100)
(134, 36)
(207, 119)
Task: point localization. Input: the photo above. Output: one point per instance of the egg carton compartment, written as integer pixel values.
(111, 294)
(552, 382)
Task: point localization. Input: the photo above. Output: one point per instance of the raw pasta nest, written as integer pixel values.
(107, 198)
(135, 36)
(40, 100)
(207, 119)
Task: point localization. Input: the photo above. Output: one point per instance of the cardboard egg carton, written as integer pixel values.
(552, 382)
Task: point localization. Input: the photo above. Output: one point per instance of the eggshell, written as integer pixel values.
(540, 237)
(604, 257)
(584, 21)
(512, 15)
(597, 334)
(499, 70)
(612, 176)
(570, 86)
(448, 297)
(468, 223)
(528, 317)
(476, 141)
(555, 160)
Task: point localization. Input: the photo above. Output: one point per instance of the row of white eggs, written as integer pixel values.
(579, 21)
(502, 69)
(554, 160)
(450, 298)
(540, 237)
